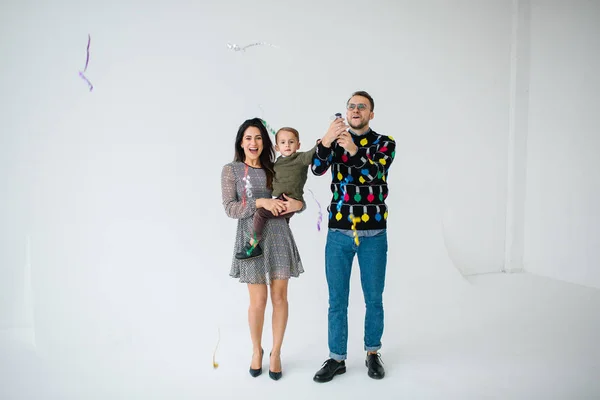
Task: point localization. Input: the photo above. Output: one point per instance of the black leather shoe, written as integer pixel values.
(330, 369)
(258, 371)
(249, 251)
(274, 375)
(374, 365)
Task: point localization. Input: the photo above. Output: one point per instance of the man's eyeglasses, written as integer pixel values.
(360, 106)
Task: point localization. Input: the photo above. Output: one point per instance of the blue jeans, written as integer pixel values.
(372, 259)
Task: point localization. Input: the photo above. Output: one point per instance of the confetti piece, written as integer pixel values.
(248, 186)
(343, 189)
(215, 363)
(354, 221)
(235, 47)
(87, 58)
(320, 213)
(87, 61)
(254, 244)
(271, 130)
(86, 80)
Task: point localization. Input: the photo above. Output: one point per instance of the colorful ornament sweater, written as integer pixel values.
(359, 182)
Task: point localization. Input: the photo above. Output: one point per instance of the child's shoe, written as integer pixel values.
(249, 251)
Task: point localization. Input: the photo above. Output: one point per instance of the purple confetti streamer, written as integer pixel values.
(320, 213)
(87, 60)
(87, 80)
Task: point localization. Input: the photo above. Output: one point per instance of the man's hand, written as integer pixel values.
(345, 140)
(336, 128)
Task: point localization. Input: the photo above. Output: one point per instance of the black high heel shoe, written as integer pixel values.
(258, 371)
(274, 375)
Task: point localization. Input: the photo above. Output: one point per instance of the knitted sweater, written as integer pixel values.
(359, 182)
(291, 174)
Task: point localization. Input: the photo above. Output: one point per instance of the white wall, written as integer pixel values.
(118, 189)
(562, 224)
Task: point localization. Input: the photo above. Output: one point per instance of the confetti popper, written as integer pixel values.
(271, 130)
(235, 47)
(87, 60)
(320, 213)
(215, 363)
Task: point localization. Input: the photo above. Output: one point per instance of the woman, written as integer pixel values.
(246, 185)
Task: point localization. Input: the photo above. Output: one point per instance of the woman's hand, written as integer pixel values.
(291, 205)
(274, 205)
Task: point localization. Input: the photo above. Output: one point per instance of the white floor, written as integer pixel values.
(539, 343)
(495, 336)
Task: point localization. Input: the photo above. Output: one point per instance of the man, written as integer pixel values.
(360, 160)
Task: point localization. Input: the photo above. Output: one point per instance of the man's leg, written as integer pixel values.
(339, 253)
(372, 259)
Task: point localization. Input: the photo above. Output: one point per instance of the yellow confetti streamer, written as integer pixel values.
(355, 220)
(215, 363)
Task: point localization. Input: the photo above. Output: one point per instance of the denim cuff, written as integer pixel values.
(337, 357)
(372, 348)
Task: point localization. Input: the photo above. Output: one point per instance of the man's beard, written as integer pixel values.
(361, 125)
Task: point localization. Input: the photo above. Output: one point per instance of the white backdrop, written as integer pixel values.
(562, 228)
(111, 201)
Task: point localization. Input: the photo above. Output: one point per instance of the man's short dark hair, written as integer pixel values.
(363, 94)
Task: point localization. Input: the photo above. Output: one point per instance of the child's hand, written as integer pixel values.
(291, 205)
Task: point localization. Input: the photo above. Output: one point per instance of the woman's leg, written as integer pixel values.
(279, 288)
(256, 319)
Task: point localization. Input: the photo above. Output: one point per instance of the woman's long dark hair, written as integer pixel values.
(267, 156)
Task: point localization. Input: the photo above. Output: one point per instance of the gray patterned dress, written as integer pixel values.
(280, 258)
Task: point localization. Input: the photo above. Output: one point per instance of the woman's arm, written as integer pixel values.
(234, 207)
